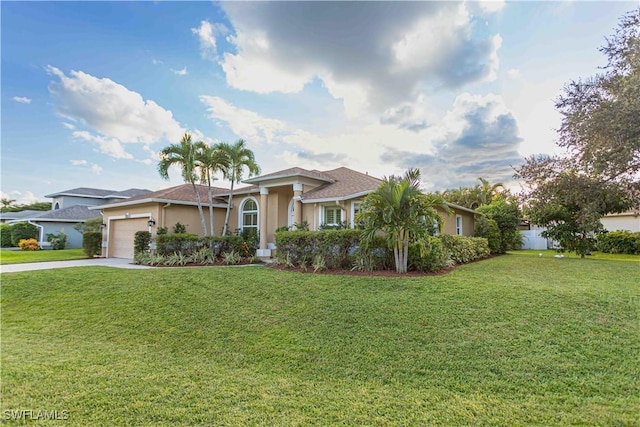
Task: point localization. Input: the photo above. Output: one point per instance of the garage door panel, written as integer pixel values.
(122, 236)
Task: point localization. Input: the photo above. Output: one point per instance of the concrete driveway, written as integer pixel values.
(102, 262)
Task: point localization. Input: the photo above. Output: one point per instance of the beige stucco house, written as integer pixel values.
(628, 221)
(280, 199)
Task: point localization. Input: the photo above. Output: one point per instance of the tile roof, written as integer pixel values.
(346, 182)
(291, 172)
(180, 193)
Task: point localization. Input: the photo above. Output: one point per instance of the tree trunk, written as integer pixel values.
(200, 211)
(226, 217)
(211, 233)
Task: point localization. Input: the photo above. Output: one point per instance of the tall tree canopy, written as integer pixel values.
(185, 156)
(601, 115)
(238, 158)
(211, 160)
(476, 196)
(600, 132)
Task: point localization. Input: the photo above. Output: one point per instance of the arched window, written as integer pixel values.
(248, 213)
(56, 206)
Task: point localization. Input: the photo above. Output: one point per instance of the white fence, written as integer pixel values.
(533, 240)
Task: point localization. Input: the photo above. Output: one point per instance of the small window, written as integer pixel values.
(56, 206)
(249, 214)
(332, 215)
(458, 225)
(355, 210)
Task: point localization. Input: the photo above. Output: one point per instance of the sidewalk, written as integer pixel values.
(102, 262)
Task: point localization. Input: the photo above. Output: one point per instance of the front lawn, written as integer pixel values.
(513, 340)
(19, 257)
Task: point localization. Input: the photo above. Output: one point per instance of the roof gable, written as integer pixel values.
(346, 183)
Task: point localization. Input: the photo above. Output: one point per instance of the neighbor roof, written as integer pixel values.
(98, 193)
(76, 213)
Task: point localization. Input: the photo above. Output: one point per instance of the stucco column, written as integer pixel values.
(297, 203)
(264, 208)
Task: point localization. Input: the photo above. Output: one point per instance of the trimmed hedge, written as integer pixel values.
(186, 244)
(5, 235)
(464, 249)
(23, 231)
(92, 243)
(342, 249)
(488, 228)
(141, 241)
(619, 242)
(337, 247)
(428, 255)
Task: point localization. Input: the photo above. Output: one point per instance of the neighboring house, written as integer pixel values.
(280, 199)
(629, 221)
(69, 208)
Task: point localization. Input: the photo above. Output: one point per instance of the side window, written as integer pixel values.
(332, 215)
(458, 225)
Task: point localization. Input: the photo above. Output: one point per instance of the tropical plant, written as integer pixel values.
(183, 155)
(211, 159)
(238, 157)
(400, 210)
(58, 240)
(28, 245)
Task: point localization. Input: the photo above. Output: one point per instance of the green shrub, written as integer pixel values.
(5, 235)
(185, 243)
(162, 230)
(141, 241)
(29, 245)
(179, 228)
(488, 228)
(300, 247)
(92, 243)
(58, 241)
(23, 231)
(374, 256)
(428, 255)
(462, 249)
(619, 242)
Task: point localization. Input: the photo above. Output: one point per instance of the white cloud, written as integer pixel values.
(22, 99)
(109, 146)
(513, 73)
(207, 33)
(182, 72)
(244, 123)
(21, 198)
(96, 169)
(156, 62)
(68, 126)
(78, 162)
(111, 109)
(396, 50)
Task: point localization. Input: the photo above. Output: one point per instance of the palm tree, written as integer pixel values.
(238, 157)
(402, 212)
(487, 191)
(184, 155)
(211, 160)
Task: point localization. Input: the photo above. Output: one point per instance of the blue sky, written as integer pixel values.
(92, 91)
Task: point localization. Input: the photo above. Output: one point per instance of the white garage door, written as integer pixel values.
(122, 234)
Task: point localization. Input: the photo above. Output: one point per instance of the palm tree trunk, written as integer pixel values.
(210, 206)
(200, 211)
(226, 217)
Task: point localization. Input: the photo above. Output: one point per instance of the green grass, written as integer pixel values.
(19, 257)
(514, 340)
(594, 255)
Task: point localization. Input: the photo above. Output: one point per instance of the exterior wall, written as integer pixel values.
(68, 201)
(449, 226)
(74, 238)
(152, 209)
(628, 222)
(186, 215)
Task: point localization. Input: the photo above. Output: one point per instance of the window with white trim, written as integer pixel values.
(249, 214)
(332, 216)
(355, 210)
(458, 225)
(56, 206)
